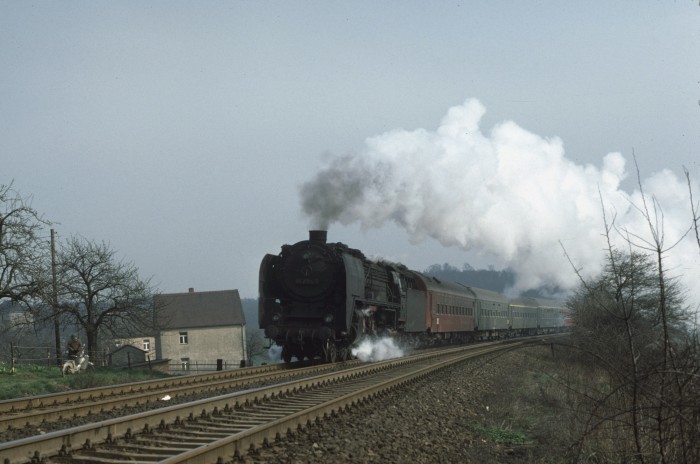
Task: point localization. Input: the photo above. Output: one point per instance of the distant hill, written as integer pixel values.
(488, 279)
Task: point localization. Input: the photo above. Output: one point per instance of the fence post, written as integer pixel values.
(12, 358)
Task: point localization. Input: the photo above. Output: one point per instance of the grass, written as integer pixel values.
(503, 436)
(34, 380)
(529, 413)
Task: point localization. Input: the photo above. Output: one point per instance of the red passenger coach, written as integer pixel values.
(450, 308)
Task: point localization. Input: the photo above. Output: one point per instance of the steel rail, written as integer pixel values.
(53, 399)
(25, 412)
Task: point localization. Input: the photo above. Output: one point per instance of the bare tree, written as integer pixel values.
(20, 245)
(633, 323)
(101, 293)
(255, 343)
(694, 208)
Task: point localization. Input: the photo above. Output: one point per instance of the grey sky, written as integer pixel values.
(181, 132)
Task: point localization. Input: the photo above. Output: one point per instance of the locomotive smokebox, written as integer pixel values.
(318, 236)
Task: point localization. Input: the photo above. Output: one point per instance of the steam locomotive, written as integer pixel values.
(317, 299)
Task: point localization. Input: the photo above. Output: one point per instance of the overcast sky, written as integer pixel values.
(195, 137)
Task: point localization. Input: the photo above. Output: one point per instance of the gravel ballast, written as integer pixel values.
(437, 420)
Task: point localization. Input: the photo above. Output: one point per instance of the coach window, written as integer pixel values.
(183, 338)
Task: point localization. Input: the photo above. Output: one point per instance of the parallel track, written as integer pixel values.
(23, 412)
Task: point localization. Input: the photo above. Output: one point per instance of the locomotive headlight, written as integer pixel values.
(328, 318)
(276, 317)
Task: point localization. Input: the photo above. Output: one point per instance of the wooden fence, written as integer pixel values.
(14, 355)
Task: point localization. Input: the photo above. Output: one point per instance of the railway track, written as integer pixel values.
(224, 427)
(22, 413)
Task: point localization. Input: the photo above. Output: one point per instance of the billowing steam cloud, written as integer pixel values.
(511, 193)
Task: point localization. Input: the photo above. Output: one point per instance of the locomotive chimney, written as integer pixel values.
(318, 236)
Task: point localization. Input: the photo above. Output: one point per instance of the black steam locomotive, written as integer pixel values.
(319, 298)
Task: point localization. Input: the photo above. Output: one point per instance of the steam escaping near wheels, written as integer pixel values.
(368, 350)
(377, 349)
(275, 354)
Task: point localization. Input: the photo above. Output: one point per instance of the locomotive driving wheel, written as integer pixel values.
(330, 352)
(286, 354)
(344, 353)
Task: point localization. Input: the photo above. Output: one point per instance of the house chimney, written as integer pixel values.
(191, 290)
(318, 236)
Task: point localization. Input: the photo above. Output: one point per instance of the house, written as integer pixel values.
(201, 330)
(127, 355)
(13, 314)
(133, 357)
(147, 343)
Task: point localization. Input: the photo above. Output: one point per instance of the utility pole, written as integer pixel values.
(54, 302)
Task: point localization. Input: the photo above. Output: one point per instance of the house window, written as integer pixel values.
(183, 338)
(185, 363)
(146, 344)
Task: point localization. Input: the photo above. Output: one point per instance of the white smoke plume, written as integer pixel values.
(511, 193)
(380, 349)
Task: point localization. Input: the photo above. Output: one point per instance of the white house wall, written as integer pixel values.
(204, 345)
